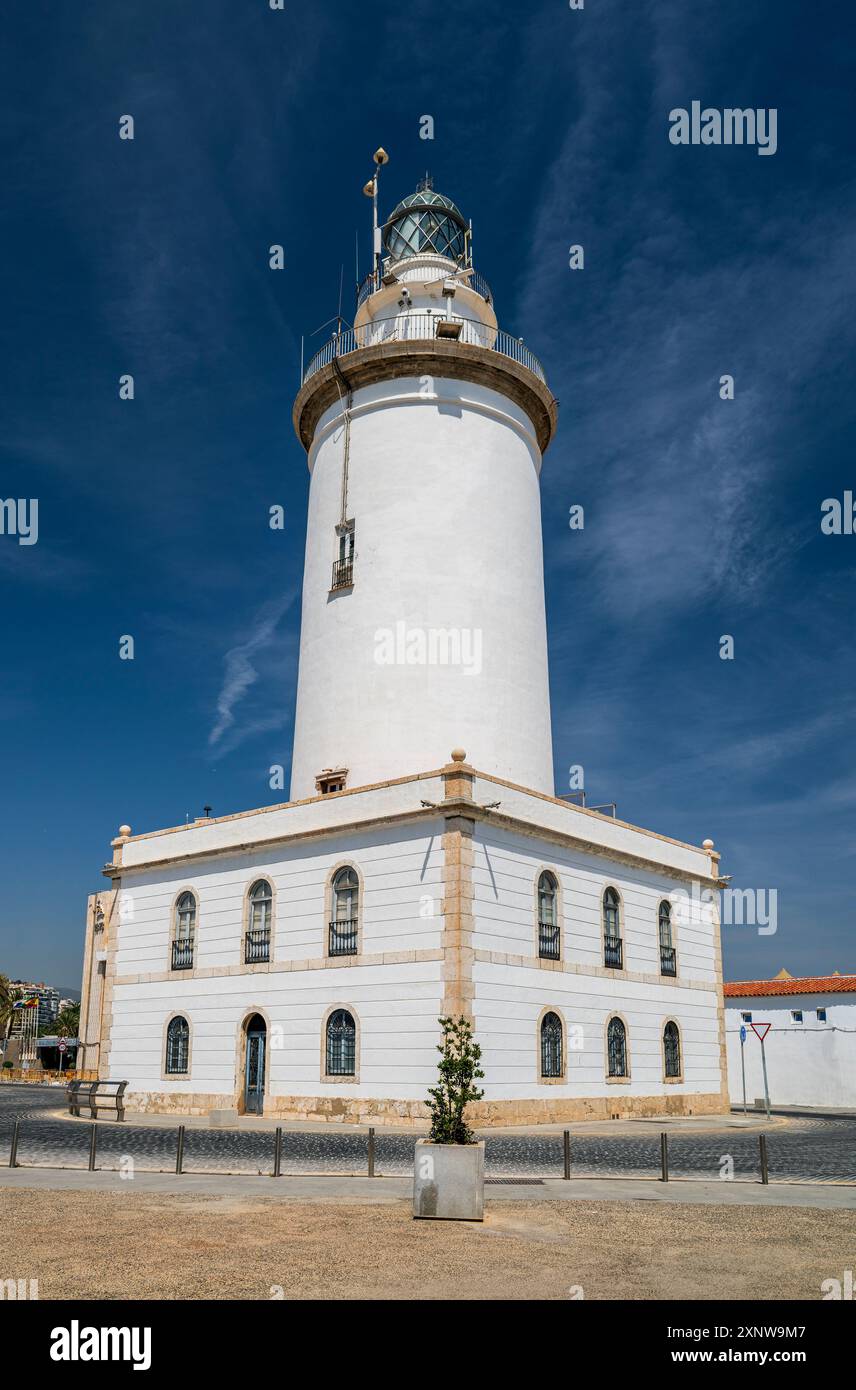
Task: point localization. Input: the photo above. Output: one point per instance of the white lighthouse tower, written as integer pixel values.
(294, 959)
(423, 624)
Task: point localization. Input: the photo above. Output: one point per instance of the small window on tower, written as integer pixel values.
(343, 565)
(331, 780)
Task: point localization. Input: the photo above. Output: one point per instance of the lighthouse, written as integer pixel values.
(295, 959)
(423, 623)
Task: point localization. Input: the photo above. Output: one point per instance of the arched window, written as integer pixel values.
(177, 1047)
(672, 1050)
(612, 952)
(260, 909)
(345, 916)
(616, 1045)
(184, 929)
(548, 916)
(341, 1044)
(668, 965)
(552, 1061)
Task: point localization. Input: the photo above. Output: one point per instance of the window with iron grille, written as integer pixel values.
(259, 918)
(668, 957)
(345, 917)
(616, 1041)
(672, 1050)
(548, 916)
(612, 948)
(341, 1044)
(184, 926)
(551, 1046)
(343, 565)
(177, 1047)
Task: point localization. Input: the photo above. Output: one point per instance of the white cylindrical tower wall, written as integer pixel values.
(443, 489)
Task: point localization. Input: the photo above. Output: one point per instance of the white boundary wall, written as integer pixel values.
(808, 1063)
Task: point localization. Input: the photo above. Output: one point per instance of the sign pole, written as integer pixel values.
(766, 1087)
(743, 1063)
(761, 1030)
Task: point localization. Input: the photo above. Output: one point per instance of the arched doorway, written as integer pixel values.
(254, 1065)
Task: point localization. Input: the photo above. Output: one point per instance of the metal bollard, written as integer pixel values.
(664, 1157)
(93, 1140)
(762, 1145)
(13, 1152)
(567, 1146)
(179, 1157)
(277, 1153)
(371, 1153)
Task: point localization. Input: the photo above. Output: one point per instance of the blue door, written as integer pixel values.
(254, 1080)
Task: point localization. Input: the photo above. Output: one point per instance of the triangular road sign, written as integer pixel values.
(757, 1027)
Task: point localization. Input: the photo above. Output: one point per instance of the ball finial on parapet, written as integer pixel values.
(707, 844)
(459, 755)
(124, 832)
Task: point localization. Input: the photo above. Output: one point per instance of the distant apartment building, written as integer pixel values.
(48, 1007)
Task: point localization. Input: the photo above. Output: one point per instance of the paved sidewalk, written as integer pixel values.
(379, 1191)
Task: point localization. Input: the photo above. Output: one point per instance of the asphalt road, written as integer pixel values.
(808, 1149)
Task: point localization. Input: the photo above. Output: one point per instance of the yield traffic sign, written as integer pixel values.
(756, 1028)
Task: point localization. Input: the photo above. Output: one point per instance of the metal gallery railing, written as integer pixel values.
(422, 326)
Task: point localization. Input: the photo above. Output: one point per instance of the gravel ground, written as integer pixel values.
(138, 1245)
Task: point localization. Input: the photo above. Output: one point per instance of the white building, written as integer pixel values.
(296, 958)
(811, 1044)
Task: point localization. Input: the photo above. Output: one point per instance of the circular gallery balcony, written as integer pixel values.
(422, 327)
(415, 343)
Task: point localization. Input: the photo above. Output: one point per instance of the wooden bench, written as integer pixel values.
(98, 1095)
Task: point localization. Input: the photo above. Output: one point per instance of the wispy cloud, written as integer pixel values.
(693, 271)
(243, 665)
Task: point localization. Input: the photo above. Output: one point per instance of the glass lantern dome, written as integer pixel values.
(426, 223)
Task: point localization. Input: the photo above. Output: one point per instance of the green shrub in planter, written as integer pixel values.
(459, 1069)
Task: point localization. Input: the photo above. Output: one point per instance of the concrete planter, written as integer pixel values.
(448, 1181)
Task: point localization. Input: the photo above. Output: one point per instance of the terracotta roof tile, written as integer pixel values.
(808, 984)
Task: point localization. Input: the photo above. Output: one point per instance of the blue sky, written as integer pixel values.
(150, 257)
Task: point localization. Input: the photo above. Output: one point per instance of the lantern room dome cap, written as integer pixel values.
(426, 222)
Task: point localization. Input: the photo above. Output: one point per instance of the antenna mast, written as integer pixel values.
(380, 158)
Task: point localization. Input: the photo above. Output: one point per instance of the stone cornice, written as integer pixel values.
(454, 806)
(433, 357)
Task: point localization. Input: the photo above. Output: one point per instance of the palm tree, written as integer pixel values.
(67, 1021)
(8, 996)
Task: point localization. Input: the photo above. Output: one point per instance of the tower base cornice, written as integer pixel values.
(393, 360)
